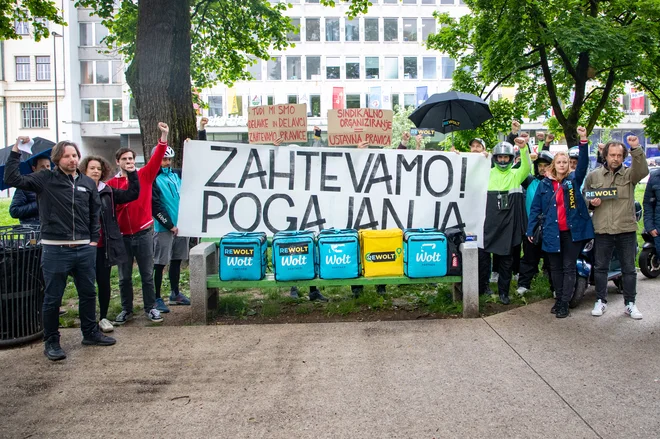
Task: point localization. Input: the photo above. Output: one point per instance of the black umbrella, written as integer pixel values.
(451, 111)
(41, 148)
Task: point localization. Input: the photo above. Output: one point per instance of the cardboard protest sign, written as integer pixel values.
(425, 132)
(351, 126)
(267, 123)
(230, 187)
(609, 193)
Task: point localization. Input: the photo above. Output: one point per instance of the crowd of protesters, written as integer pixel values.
(91, 221)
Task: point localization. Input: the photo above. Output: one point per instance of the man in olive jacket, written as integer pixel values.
(614, 219)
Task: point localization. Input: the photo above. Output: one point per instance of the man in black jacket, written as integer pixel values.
(24, 203)
(69, 209)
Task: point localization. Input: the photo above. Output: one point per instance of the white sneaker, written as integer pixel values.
(106, 326)
(632, 311)
(521, 291)
(599, 308)
(494, 277)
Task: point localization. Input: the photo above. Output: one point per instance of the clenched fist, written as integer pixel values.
(633, 141)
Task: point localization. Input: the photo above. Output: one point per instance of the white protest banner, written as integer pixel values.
(237, 187)
(351, 126)
(267, 123)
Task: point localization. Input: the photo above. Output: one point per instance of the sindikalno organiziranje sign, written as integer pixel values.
(351, 126)
(238, 187)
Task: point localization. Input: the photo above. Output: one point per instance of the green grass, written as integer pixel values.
(5, 219)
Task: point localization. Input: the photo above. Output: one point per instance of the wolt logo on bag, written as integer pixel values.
(339, 254)
(243, 256)
(424, 253)
(294, 255)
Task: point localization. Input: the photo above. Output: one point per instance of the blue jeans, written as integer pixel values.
(626, 250)
(57, 262)
(139, 246)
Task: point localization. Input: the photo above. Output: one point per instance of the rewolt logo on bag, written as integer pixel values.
(382, 256)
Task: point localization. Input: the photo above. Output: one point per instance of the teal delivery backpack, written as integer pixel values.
(243, 256)
(424, 253)
(294, 255)
(339, 254)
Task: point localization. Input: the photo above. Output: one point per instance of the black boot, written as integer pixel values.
(356, 290)
(504, 298)
(53, 350)
(562, 311)
(555, 307)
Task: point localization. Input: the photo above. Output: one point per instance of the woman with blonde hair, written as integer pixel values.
(559, 209)
(110, 250)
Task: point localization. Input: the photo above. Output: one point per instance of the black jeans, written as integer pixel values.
(626, 249)
(140, 247)
(529, 264)
(103, 282)
(563, 266)
(57, 262)
(484, 271)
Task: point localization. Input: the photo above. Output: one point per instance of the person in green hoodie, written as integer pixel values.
(506, 218)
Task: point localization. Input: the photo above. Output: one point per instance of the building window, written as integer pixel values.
(255, 70)
(22, 68)
(21, 27)
(313, 68)
(270, 100)
(429, 67)
(332, 68)
(332, 29)
(117, 110)
(395, 100)
(409, 2)
(117, 72)
(371, 67)
(390, 29)
(312, 1)
(391, 67)
(313, 29)
(132, 109)
(410, 67)
(34, 114)
(292, 99)
(100, 33)
(87, 72)
(390, 2)
(103, 110)
(428, 28)
(446, 2)
(353, 30)
(315, 105)
(409, 29)
(448, 66)
(371, 29)
(294, 35)
(43, 68)
(86, 34)
(215, 106)
(102, 72)
(428, 2)
(275, 68)
(293, 68)
(409, 100)
(352, 68)
(89, 110)
(352, 101)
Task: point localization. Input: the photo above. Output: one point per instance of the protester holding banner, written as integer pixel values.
(506, 219)
(614, 219)
(565, 221)
(169, 247)
(135, 222)
(69, 209)
(110, 250)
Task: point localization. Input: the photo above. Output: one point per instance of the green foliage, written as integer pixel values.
(5, 218)
(234, 305)
(572, 56)
(401, 124)
(33, 12)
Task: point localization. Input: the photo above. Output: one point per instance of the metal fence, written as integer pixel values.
(21, 285)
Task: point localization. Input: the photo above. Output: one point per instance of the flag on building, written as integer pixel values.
(375, 98)
(255, 100)
(636, 100)
(232, 101)
(338, 98)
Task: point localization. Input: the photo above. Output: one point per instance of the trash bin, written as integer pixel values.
(21, 285)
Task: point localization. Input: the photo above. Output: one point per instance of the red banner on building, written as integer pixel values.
(338, 98)
(636, 100)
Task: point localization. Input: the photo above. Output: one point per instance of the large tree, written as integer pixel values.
(573, 56)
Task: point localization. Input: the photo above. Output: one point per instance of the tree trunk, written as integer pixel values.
(159, 75)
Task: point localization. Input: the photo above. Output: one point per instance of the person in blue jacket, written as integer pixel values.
(23, 205)
(566, 221)
(652, 208)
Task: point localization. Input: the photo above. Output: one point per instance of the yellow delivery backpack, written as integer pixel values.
(382, 252)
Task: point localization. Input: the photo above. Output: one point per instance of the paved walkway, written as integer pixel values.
(521, 374)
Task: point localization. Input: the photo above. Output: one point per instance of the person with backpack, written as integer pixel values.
(562, 213)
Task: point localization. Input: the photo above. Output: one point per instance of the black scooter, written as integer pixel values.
(649, 262)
